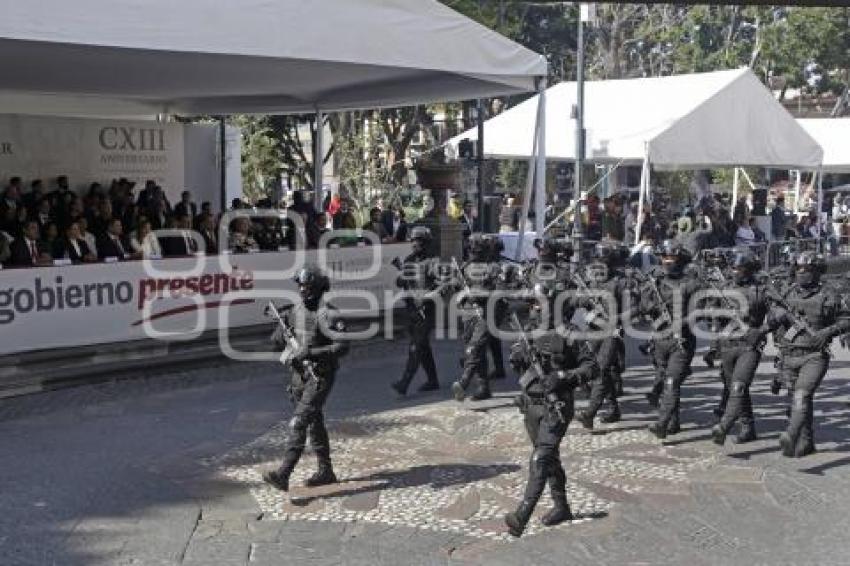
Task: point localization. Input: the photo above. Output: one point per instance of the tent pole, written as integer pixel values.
(318, 159)
(480, 158)
(797, 182)
(529, 182)
(540, 176)
(736, 179)
(644, 183)
(579, 151)
(222, 150)
(820, 207)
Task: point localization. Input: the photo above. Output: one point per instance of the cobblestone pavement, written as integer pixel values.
(165, 470)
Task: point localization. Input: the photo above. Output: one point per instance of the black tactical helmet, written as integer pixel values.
(811, 261)
(312, 283)
(477, 246)
(421, 233)
(745, 260)
(553, 249)
(495, 245)
(609, 253)
(674, 257)
(420, 238)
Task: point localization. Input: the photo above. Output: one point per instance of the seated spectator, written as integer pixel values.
(206, 210)
(759, 234)
(27, 251)
(74, 247)
(12, 195)
(30, 200)
(50, 239)
(42, 214)
(88, 237)
(111, 245)
(144, 243)
(398, 225)
(9, 222)
(375, 225)
(5, 248)
(241, 240)
(101, 220)
(181, 242)
(268, 234)
(344, 218)
(744, 236)
(206, 227)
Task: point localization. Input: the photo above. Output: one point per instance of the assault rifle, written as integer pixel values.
(528, 378)
(292, 343)
(479, 312)
(420, 309)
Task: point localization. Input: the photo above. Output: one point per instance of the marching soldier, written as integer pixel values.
(308, 334)
(419, 277)
(808, 318)
(665, 300)
(741, 345)
(606, 277)
(551, 366)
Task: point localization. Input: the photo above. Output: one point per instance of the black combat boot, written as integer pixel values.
(277, 479)
(324, 476)
(718, 435)
(586, 419)
(517, 520)
(786, 444)
(746, 433)
(560, 512)
(673, 427)
(613, 416)
(400, 387)
(429, 386)
(659, 430)
(652, 398)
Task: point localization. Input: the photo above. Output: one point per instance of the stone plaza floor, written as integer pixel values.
(166, 470)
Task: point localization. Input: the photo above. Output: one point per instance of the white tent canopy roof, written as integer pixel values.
(705, 120)
(188, 57)
(833, 135)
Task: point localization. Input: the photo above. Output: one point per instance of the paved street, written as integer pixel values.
(166, 470)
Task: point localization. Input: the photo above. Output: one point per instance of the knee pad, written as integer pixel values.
(412, 349)
(738, 388)
(469, 351)
(298, 423)
(669, 382)
(541, 460)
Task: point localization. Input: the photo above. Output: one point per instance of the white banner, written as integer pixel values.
(52, 307)
(36, 147)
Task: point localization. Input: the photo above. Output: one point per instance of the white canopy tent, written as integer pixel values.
(833, 135)
(252, 56)
(698, 121)
(102, 58)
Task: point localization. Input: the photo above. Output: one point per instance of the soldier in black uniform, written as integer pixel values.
(808, 318)
(741, 344)
(551, 367)
(479, 277)
(419, 277)
(313, 362)
(665, 299)
(606, 276)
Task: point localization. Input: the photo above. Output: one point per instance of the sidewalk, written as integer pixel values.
(166, 471)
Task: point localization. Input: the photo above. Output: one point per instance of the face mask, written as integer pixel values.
(806, 278)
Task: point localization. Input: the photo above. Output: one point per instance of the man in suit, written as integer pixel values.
(74, 247)
(111, 244)
(206, 226)
(186, 207)
(27, 251)
(397, 227)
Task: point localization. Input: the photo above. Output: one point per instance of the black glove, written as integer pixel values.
(775, 386)
(753, 337)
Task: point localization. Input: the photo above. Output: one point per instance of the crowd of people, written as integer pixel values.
(43, 224)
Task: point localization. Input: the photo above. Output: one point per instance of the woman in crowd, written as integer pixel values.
(143, 242)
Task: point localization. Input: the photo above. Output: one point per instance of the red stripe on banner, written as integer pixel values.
(190, 308)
